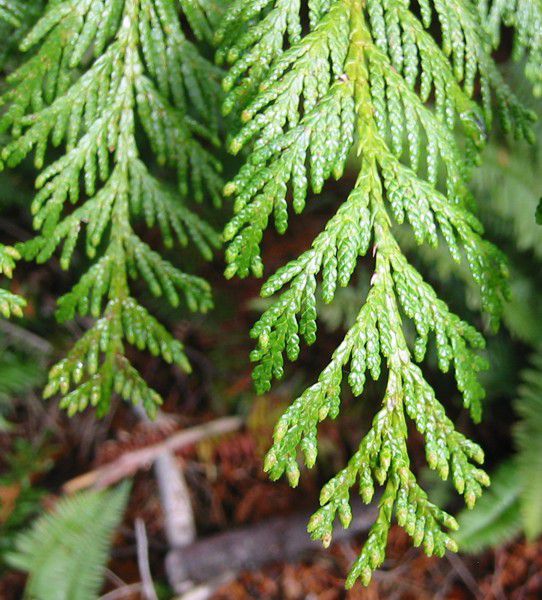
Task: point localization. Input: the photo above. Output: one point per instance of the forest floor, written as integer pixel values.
(224, 474)
(228, 489)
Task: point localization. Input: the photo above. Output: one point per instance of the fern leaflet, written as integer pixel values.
(65, 552)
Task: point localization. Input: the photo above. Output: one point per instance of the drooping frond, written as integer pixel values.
(509, 187)
(105, 81)
(19, 374)
(510, 173)
(65, 553)
(369, 79)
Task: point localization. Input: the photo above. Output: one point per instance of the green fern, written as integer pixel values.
(514, 502)
(65, 553)
(496, 518)
(528, 436)
(100, 76)
(19, 373)
(508, 173)
(22, 465)
(370, 78)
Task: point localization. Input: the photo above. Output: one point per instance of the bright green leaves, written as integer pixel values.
(382, 458)
(105, 76)
(376, 334)
(402, 498)
(146, 197)
(164, 279)
(8, 256)
(302, 124)
(371, 78)
(303, 155)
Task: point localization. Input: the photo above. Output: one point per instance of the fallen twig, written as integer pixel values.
(148, 591)
(223, 555)
(130, 462)
(205, 590)
(126, 591)
(179, 524)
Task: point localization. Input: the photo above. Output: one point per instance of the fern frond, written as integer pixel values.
(101, 75)
(514, 502)
(528, 437)
(18, 375)
(65, 553)
(506, 175)
(496, 518)
(373, 79)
